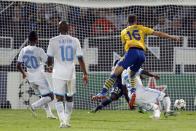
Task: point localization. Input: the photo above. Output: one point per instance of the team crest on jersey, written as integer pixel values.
(153, 85)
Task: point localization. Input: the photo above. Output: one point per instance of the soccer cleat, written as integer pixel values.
(51, 116)
(63, 125)
(32, 111)
(92, 111)
(99, 96)
(170, 113)
(68, 124)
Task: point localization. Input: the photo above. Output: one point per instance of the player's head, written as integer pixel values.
(63, 27)
(132, 19)
(33, 38)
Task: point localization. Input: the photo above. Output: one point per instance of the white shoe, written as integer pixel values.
(51, 116)
(63, 125)
(68, 124)
(32, 111)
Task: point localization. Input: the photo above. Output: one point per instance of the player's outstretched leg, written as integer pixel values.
(68, 109)
(45, 99)
(48, 111)
(104, 103)
(110, 81)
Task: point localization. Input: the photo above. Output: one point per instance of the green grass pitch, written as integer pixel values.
(22, 120)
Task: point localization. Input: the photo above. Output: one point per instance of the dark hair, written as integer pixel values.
(63, 26)
(32, 36)
(132, 19)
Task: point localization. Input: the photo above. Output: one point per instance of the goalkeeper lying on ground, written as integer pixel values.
(147, 98)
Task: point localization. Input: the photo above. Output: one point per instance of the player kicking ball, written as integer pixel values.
(147, 98)
(119, 89)
(63, 49)
(133, 39)
(33, 58)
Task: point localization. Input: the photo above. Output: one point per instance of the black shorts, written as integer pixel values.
(117, 91)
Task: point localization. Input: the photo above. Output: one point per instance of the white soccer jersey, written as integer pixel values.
(64, 49)
(143, 95)
(33, 58)
(125, 76)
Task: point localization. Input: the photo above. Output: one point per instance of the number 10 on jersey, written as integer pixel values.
(67, 53)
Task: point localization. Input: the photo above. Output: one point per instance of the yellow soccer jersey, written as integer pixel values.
(133, 36)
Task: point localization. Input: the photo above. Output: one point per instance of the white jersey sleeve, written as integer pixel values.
(20, 56)
(78, 49)
(126, 77)
(43, 55)
(50, 51)
(139, 72)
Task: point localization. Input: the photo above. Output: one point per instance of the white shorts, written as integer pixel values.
(148, 95)
(64, 87)
(41, 87)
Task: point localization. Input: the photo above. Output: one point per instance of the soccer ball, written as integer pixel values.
(180, 104)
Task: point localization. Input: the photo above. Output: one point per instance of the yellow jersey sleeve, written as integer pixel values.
(147, 31)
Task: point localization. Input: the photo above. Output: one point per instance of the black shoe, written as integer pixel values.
(141, 110)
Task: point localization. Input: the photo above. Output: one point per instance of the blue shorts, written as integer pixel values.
(133, 58)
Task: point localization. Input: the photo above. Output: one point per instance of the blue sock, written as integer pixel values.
(104, 90)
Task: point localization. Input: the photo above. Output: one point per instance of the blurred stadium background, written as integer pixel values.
(97, 24)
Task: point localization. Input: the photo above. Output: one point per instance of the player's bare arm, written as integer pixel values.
(147, 73)
(19, 67)
(83, 67)
(165, 35)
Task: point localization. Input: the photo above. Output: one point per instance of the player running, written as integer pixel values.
(63, 49)
(33, 58)
(147, 98)
(132, 38)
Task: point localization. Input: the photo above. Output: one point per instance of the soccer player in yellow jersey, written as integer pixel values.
(132, 38)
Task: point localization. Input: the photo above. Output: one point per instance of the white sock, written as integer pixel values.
(60, 111)
(41, 102)
(48, 110)
(156, 111)
(68, 109)
(167, 104)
